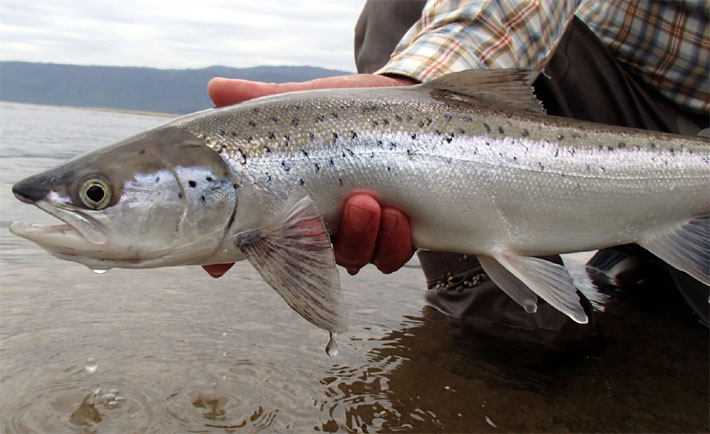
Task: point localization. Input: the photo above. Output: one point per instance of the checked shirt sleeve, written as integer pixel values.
(458, 35)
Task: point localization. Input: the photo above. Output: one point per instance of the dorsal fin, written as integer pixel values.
(509, 86)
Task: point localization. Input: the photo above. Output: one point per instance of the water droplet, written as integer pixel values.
(490, 422)
(99, 271)
(90, 365)
(447, 387)
(95, 388)
(332, 348)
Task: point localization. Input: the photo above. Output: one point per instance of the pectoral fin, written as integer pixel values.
(294, 255)
(550, 281)
(686, 247)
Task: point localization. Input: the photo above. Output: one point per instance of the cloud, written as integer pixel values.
(181, 33)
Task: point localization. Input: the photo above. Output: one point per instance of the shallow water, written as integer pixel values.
(173, 350)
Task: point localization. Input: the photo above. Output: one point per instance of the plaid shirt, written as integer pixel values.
(665, 43)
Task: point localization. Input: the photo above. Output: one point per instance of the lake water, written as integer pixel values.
(174, 350)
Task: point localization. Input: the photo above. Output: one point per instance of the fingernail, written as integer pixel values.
(353, 271)
(359, 218)
(389, 221)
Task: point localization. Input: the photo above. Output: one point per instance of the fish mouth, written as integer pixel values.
(79, 233)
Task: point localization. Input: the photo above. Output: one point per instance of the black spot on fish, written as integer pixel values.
(467, 118)
(335, 115)
(385, 122)
(142, 151)
(561, 137)
(448, 117)
(275, 119)
(180, 195)
(202, 198)
(193, 184)
(305, 154)
(525, 132)
(222, 132)
(462, 131)
(340, 181)
(335, 136)
(603, 169)
(409, 118)
(267, 149)
(372, 155)
(588, 167)
(393, 145)
(223, 149)
(250, 139)
(414, 136)
(375, 123)
(287, 140)
(500, 130)
(542, 166)
(243, 156)
(317, 167)
(576, 135)
(272, 135)
(557, 152)
(208, 179)
(350, 151)
(320, 118)
(389, 169)
(354, 134)
(294, 122)
(285, 166)
(450, 137)
(379, 143)
(487, 127)
(301, 181)
(421, 124)
(252, 124)
(652, 145)
(255, 110)
(621, 145)
(268, 176)
(157, 179)
(672, 151)
(398, 117)
(311, 136)
(332, 163)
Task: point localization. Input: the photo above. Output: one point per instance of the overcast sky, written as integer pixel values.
(180, 33)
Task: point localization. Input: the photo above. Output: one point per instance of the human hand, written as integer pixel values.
(369, 232)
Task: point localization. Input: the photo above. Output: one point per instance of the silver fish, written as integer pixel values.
(470, 157)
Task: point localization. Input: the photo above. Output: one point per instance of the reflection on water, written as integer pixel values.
(173, 350)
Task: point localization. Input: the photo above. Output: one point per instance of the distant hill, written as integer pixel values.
(131, 88)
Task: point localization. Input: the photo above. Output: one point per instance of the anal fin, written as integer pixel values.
(295, 257)
(685, 246)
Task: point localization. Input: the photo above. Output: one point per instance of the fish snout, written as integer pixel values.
(32, 189)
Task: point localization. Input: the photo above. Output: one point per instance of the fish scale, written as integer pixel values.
(470, 158)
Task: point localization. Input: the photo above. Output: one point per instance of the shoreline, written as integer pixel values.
(103, 109)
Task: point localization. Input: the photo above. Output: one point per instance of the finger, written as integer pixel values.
(394, 242)
(217, 270)
(224, 91)
(357, 236)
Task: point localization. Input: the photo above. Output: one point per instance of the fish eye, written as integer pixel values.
(95, 193)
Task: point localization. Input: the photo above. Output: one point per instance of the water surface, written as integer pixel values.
(173, 350)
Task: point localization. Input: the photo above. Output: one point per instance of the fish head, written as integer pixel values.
(156, 199)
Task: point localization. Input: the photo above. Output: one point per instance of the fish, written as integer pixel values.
(470, 157)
